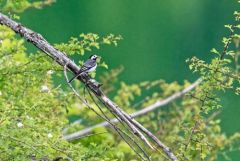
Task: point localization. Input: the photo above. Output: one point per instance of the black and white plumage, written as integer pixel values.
(89, 65)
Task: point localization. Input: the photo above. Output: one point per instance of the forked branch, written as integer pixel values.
(150, 108)
(63, 60)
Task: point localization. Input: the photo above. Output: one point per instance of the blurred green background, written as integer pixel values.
(159, 35)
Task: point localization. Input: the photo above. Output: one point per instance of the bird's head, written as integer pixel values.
(93, 57)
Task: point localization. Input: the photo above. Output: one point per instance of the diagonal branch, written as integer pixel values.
(118, 130)
(150, 108)
(92, 84)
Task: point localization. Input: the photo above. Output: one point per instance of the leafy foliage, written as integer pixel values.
(87, 42)
(34, 111)
(16, 6)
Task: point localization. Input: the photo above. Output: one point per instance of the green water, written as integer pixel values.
(159, 35)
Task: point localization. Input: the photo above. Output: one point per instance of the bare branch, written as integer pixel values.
(104, 117)
(63, 60)
(156, 105)
(167, 100)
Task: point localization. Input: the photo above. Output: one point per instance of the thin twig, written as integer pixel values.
(150, 108)
(61, 58)
(132, 139)
(119, 131)
(89, 135)
(227, 44)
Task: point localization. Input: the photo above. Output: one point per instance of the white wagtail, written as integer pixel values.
(89, 66)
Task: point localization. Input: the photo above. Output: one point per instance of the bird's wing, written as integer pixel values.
(87, 65)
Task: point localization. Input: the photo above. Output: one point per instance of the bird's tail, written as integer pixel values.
(74, 77)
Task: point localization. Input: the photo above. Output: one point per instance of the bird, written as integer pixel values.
(89, 65)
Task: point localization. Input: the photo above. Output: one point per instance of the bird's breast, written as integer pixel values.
(93, 68)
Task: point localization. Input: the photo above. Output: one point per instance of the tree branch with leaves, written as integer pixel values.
(36, 39)
(34, 110)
